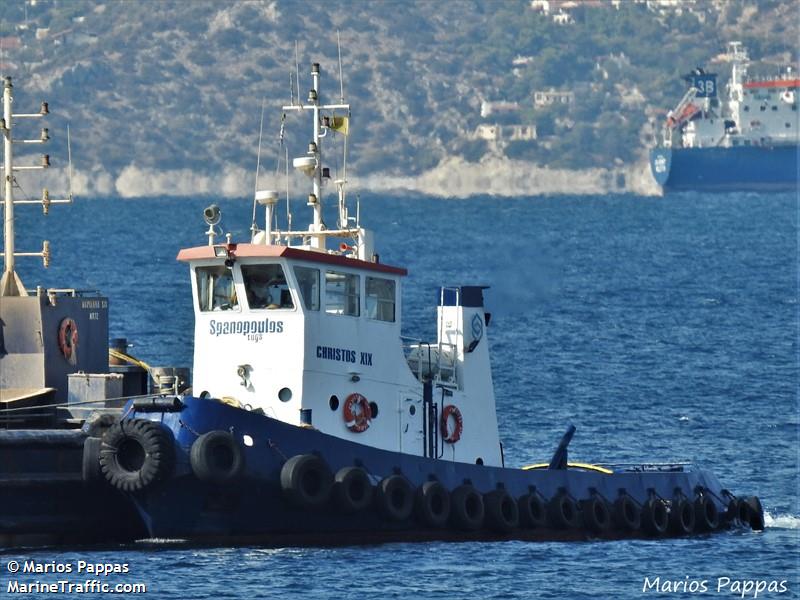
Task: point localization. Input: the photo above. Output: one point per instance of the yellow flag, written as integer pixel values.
(340, 124)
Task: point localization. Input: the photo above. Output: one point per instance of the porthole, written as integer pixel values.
(479, 461)
(334, 403)
(373, 409)
(247, 440)
(285, 394)
(412, 410)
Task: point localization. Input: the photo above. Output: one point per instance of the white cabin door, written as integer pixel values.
(411, 420)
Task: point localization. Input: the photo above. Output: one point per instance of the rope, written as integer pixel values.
(37, 407)
(274, 446)
(189, 429)
(129, 359)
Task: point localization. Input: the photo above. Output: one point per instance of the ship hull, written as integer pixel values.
(745, 168)
(46, 498)
(256, 508)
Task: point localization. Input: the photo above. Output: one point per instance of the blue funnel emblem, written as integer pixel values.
(477, 328)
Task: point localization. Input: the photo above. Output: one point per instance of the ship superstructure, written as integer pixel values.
(305, 326)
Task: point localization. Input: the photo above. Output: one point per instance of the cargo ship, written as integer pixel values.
(746, 140)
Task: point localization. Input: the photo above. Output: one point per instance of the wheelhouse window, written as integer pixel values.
(308, 286)
(380, 299)
(215, 289)
(266, 287)
(341, 294)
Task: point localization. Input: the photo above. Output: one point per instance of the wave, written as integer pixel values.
(781, 521)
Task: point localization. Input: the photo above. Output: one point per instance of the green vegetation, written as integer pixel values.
(176, 84)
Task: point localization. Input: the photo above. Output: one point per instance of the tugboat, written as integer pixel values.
(747, 141)
(57, 389)
(312, 421)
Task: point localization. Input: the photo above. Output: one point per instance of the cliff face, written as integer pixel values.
(165, 98)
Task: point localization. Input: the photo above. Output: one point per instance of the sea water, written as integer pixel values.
(665, 329)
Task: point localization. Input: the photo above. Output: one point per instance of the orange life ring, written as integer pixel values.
(357, 413)
(451, 437)
(67, 337)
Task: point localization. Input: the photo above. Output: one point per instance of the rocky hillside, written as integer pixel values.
(165, 97)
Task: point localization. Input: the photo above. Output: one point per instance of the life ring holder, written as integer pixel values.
(451, 437)
(356, 421)
(67, 337)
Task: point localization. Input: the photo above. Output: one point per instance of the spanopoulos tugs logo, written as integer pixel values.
(246, 328)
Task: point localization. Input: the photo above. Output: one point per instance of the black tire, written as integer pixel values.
(627, 515)
(655, 517)
(466, 508)
(136, 453)
(306, 481)
(743, 511)
(739, 512)
(706, 514)
(216, 457)
(433, 504)
(596, 516)
(352, 489)
(532, 511)
(681, 517)
(731, 514)
(395, 498)
(562, 513)
(756, 514)
(502, 512)
(90, 467)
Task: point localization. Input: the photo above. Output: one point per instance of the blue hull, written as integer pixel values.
(255, 509)
(741, 168)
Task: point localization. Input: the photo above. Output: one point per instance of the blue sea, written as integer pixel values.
(662, 328)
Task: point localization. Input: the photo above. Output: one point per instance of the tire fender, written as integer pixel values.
(136, 453)
(306, 481)
(216, 457)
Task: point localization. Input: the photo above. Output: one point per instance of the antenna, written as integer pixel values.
(343, 199)
(69, 162)
(297, 73)
(341, 79)
(288, 207)
(253, 227)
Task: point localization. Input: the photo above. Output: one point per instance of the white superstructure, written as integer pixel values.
(753, 112)
(305, 326)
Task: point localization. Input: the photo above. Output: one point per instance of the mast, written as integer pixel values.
(740, 60)
(311, 163)
(11, 284)
(314, 97)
